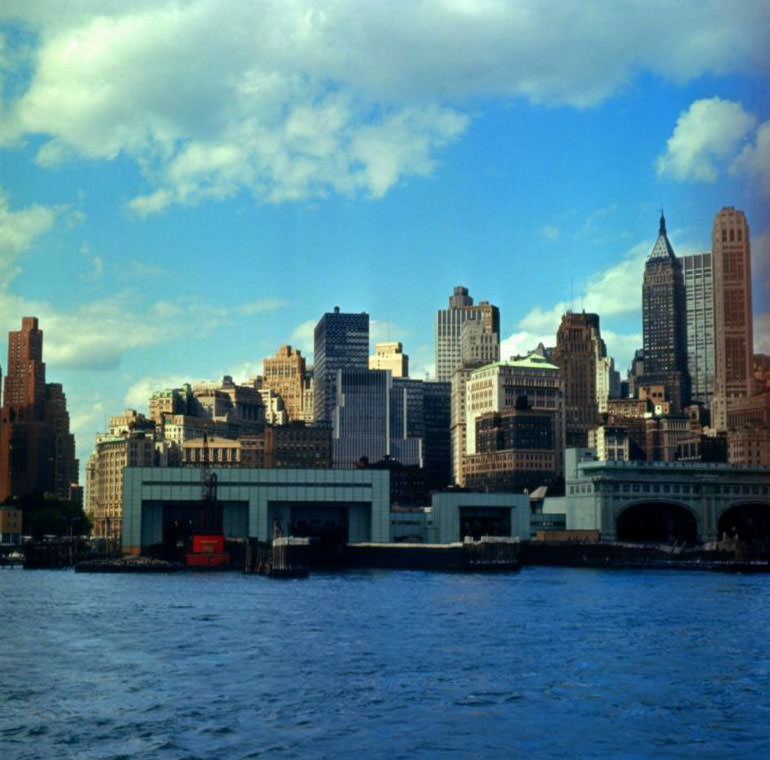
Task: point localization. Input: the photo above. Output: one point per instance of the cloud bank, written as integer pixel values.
(714, 136)
(292, 100)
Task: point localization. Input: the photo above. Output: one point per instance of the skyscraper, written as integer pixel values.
(578, 347)
(285, 374)
(341, 342)
(733, 329)
(376, 416)
(37, 451)
(699, 295)
(449, 324)
(664, 322)
(515, 425)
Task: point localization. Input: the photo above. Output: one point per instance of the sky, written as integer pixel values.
(186, 186)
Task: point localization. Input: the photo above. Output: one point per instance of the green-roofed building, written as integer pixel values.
(515, 425)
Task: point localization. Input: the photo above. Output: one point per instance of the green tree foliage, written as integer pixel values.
(45, 514)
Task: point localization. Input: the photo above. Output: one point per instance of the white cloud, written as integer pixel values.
(139, 393)
(262, 306)
(303, 337)
(621, 346)
(754, 159)
(612, 293)
(18, 230)
(294, 100)
(95, 335)
(706, 134)
(524, 341)
(384, 331)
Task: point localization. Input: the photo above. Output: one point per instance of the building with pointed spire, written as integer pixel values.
(664, 322)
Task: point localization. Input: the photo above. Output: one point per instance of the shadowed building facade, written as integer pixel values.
(579, 346)
(664, 322)
(37, 450)
(341, 342)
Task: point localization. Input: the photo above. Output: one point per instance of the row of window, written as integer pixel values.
(672, 488)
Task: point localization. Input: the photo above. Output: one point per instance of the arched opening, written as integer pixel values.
(657, 522)
(748, 522)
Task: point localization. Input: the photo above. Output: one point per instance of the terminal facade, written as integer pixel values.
(690, 502)
(163, 505)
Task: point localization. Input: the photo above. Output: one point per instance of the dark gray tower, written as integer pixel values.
(664, 322)
(341, 341)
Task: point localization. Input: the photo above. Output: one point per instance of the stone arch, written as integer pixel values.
(748, 520)
(657, 521)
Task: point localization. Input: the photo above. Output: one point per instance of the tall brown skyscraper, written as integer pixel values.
(578, 346)
(37, 451)
(733, 330)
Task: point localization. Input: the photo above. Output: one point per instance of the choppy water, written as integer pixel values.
(547, 663)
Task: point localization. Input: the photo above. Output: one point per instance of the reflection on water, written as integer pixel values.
(551, 662)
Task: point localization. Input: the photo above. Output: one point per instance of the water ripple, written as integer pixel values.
(551, 663)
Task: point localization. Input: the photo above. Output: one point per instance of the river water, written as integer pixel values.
(545, 663)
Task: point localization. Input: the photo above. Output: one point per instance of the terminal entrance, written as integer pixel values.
(484, 521)
(750, 524)
(183, 520)
(327, 524)
(657, 522)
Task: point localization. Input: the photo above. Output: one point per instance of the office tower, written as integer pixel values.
(515, 425)
(65, 465)
(390, 356)
(286, 375)
(373, 417)
(37, 451)
(664, 322)
(478, 347)
(437, 449)
(341, 342)
(25, 376)
(449, 324)
(733, 329)
(579, 346)
(699, 296)
(608, 383)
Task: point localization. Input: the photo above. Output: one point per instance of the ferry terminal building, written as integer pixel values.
(351, 506)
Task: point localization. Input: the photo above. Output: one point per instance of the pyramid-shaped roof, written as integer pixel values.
(662, 248)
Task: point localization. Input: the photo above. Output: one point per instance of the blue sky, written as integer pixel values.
(184, 187)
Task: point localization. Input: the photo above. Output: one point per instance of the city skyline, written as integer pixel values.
(194, 233)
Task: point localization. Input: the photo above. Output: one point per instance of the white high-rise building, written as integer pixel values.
(699, 300)
(449, 323)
